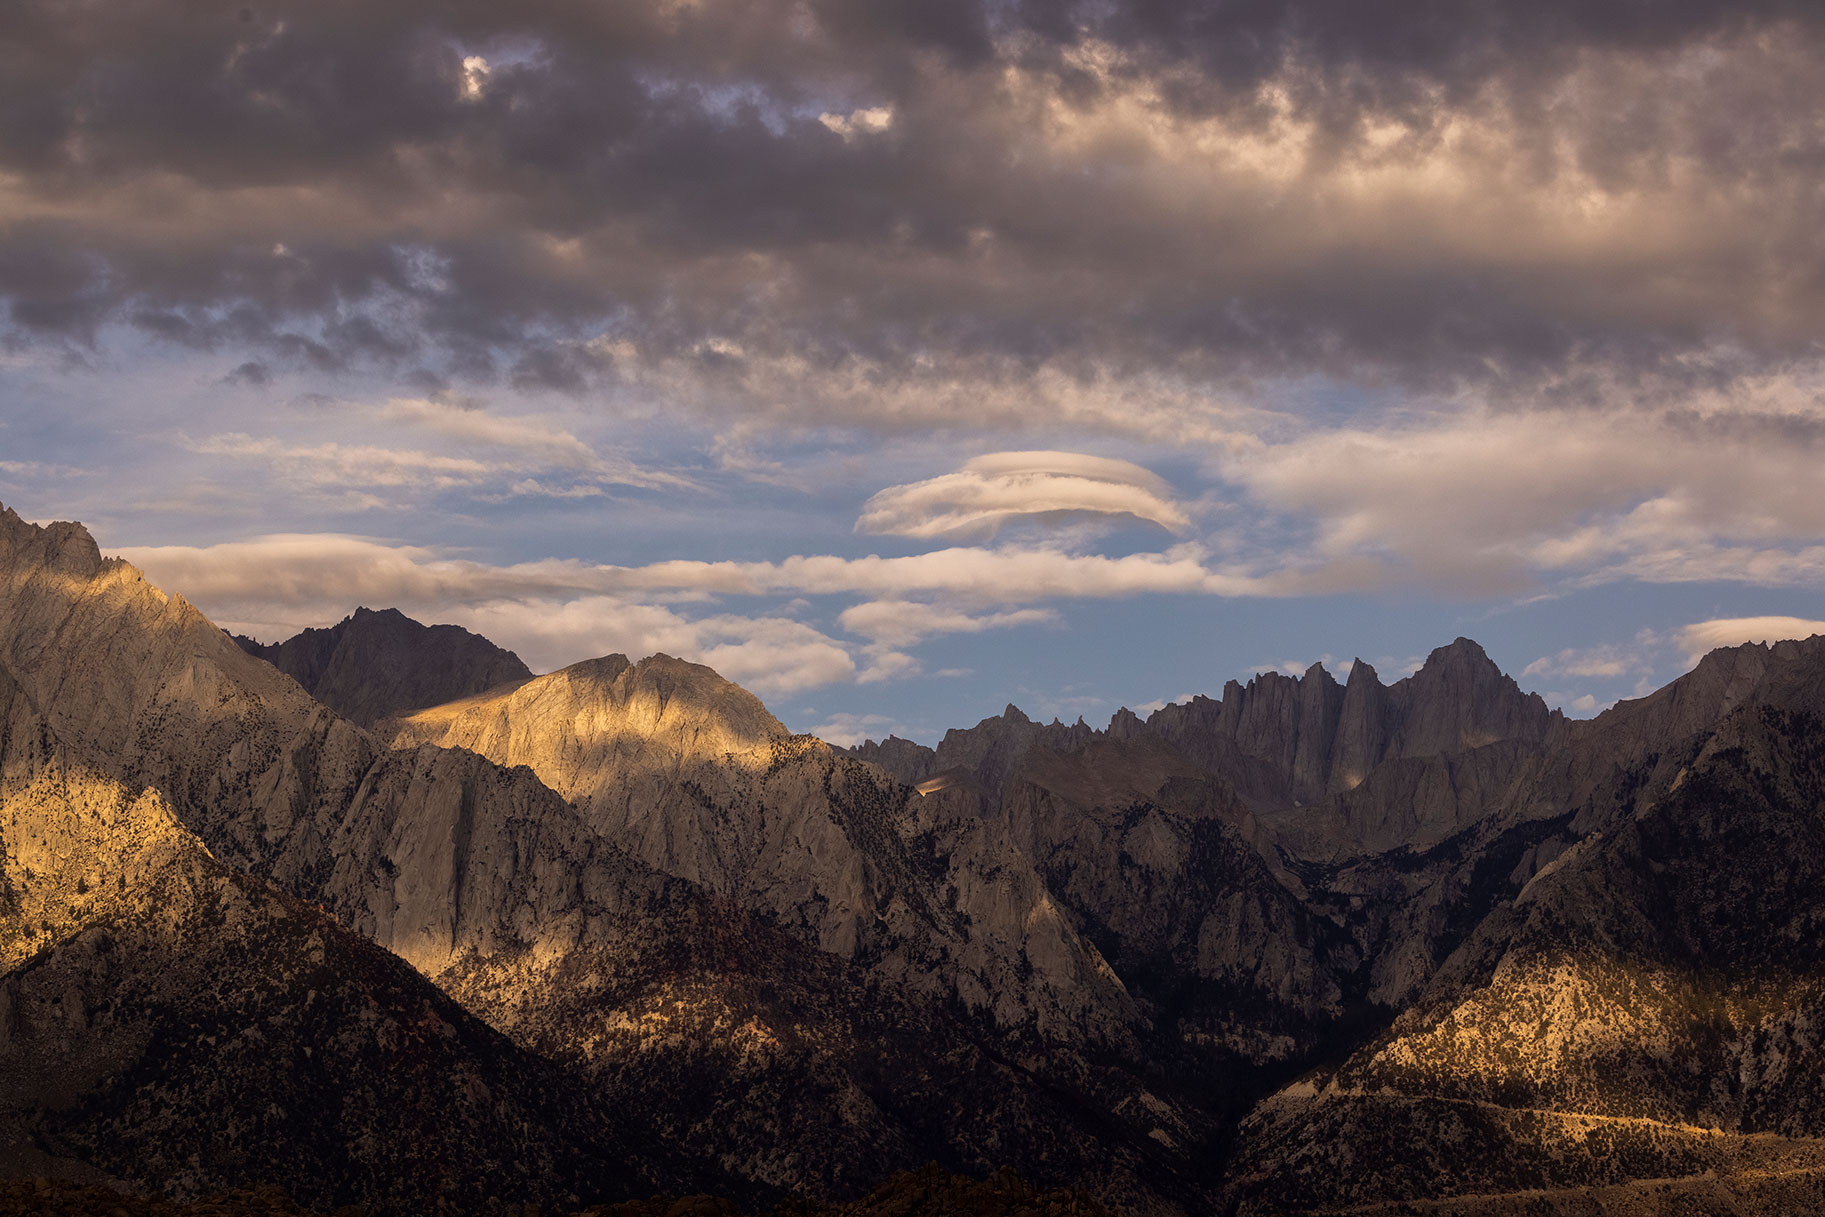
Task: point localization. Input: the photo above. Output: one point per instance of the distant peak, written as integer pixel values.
(1459, 647)
(1461, 656)
(1013, 714)
(1362, 672)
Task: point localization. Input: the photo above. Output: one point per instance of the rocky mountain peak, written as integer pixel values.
(596, 724)
(1460, 699)
(604, 669)
(63, 546)
(376, 664)
(688, 692)
(1461, 665)
(1288, 741)
(993, 748)
(1460, 648)
(1123, 724)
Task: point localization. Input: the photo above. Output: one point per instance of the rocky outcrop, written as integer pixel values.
(374, 665)
(272, 781)
(1411, 803)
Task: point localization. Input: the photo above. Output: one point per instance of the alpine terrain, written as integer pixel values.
(376, 916)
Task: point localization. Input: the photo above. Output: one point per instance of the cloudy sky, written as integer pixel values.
(905, 358)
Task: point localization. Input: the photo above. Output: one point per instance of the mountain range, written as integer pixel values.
(376, 916)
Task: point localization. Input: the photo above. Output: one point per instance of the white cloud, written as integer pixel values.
(490, 449)
(534, 487)
(41, 470)
(540, 443)
(1485, 503)
(338, 465)
(1572, 662)
(992, 490)
(554, 446)
(904, 622)
(1703, 636)
(771, 655)
(1002, 576)
(1605, 661)
(1147, 708)
(885, 663)
(346, 568)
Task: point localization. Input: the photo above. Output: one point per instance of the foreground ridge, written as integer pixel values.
(928, 1190)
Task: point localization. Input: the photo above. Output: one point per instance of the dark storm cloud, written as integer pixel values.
(814, 207)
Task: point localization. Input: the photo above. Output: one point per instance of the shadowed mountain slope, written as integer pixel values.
(1647, 1005)
(1598, 935)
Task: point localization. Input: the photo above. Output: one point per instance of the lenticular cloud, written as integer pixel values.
(990, 491)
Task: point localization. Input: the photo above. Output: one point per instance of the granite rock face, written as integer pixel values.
(1287, 741)
(1296, 749)
(374, 665)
